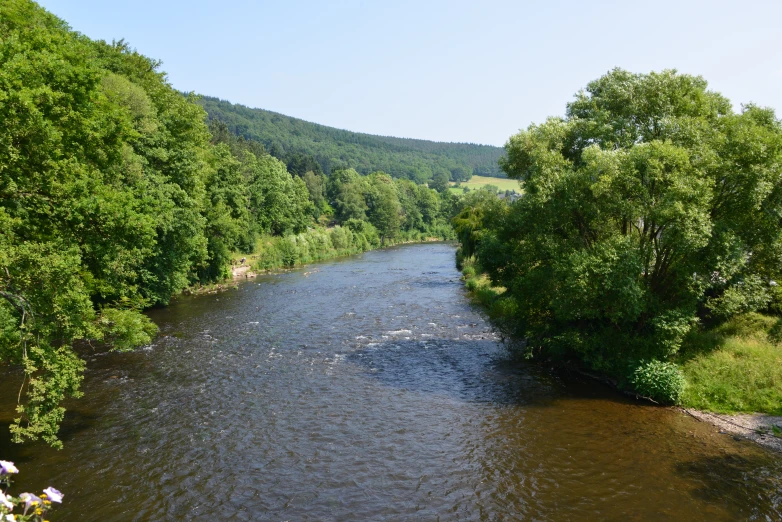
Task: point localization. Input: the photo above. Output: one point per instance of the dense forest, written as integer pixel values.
(308, 146)
(647, 244)
(116, 194)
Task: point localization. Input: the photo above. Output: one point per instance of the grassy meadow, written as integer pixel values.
(477, 182)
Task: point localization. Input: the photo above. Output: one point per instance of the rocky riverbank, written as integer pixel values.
(765, 430)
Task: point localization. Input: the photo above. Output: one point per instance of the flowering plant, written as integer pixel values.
(29, 507)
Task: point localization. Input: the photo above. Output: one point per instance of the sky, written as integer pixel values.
(465, 71)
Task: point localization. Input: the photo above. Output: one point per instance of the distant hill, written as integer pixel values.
(300, 143)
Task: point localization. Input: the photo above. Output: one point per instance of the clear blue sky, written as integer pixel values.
(442, 70)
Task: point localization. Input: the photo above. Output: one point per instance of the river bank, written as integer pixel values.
(765, 430)
(278, 254)
(747, 341)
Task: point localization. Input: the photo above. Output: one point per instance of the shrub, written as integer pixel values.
(289, 253)
(340, 238)
(660, 381)
(471, 284)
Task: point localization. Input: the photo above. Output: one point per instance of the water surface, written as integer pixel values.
(370, 389)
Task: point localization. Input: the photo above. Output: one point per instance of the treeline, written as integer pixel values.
(115, 195)
(281, 203)
(651, 215)
(308, 146)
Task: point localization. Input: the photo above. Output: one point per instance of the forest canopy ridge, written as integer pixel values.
(294, 140)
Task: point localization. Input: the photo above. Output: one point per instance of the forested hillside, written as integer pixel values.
(301, 144)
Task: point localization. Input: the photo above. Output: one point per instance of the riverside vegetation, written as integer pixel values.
(647, 245)
(117, 193)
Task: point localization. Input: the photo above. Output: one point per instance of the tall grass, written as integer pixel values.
(500, 307)
(735, 367)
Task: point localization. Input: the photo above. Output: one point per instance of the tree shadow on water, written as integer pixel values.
(467, 370)
(728, 480)
(75, 423)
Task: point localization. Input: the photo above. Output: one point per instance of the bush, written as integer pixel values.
(660, 381)
(471, 284)
(748, 295)
(289, 253)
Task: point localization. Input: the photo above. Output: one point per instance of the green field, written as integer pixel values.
(477, 182)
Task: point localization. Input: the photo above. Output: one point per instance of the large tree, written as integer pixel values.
(385, 212)
(649, 207)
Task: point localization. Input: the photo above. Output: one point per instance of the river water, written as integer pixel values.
(370, 389)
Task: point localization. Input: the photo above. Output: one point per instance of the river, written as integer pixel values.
(370, 389)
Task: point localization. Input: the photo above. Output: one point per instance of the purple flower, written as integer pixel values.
(30, 500)
(7, 468)
(5, 502)
(53, 494)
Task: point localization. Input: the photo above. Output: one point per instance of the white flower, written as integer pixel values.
(7, 468)
(54, 495)
(10, 518)
(5, 502)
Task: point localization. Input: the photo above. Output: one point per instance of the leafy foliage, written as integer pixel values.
(391, 206)
(650, 208)
(660, 381)
(112, 199)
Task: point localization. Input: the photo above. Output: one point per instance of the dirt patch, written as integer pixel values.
(242, 272)
(765, 430)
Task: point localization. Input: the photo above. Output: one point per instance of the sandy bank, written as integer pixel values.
(755, 426)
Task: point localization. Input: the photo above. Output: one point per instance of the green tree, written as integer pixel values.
(101, 192)
(279, 202)
(462, 173)
(440, 181)
(407, 192)
(346, 190)
(428, 204)
(228, 221)
(316, 188)
(649, 207)
(384, 208)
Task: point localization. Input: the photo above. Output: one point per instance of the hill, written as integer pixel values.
(303, 145)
